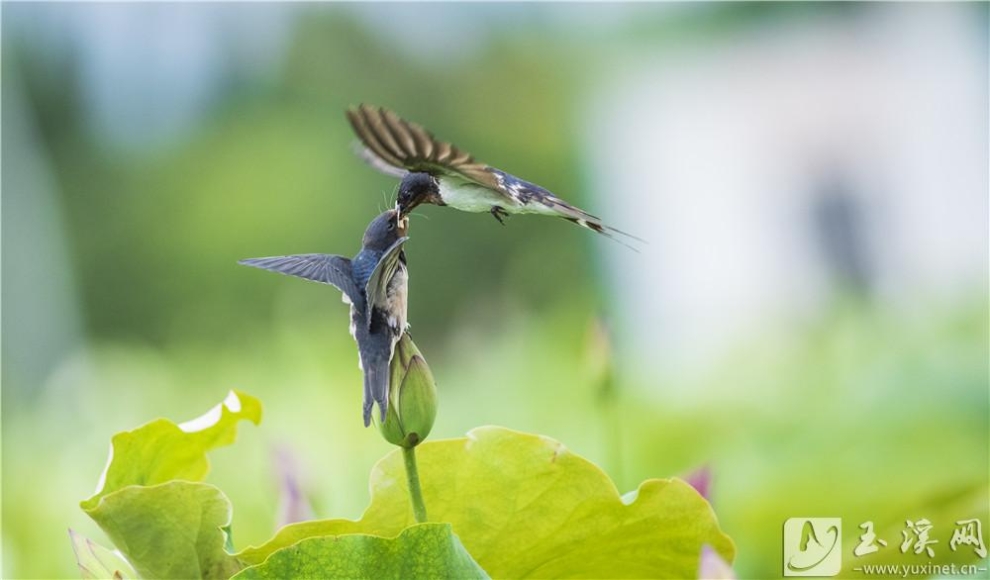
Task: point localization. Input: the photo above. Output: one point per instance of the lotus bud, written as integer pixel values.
(412, 397)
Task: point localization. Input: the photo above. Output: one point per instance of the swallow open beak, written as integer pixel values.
(403, 224)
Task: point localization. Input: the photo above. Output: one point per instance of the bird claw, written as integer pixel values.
(499, 214)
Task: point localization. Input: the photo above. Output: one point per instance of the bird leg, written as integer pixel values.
(499, 214)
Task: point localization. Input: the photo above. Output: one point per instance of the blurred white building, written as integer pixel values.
(774, 166)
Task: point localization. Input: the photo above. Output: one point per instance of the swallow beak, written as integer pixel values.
(403, 224)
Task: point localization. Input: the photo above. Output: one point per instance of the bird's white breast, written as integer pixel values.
(471, 197)
(396, 299)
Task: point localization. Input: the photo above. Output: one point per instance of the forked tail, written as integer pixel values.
(376, 376)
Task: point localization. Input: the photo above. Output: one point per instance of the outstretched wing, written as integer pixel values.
(377, 288)
(395, 146)
(323, 268)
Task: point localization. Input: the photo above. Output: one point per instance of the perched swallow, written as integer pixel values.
(436, 172)
(375, 283)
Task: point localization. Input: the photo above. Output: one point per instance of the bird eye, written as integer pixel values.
(391, 226)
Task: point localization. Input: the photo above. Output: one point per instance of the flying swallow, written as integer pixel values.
(436, 172)
(375, 283)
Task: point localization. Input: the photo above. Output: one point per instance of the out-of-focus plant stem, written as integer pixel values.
(601, 369)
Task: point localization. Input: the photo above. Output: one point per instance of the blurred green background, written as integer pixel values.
(825, 359)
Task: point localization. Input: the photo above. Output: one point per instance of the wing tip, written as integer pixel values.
(253, 262)
(353, 109)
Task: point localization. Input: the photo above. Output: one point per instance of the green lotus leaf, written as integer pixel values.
(526, 507)
(151, 502)
(171, 530)
(421, 551)
(161, 451)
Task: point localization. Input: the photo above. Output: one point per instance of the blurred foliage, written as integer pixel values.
(864, 413)
(272, 171)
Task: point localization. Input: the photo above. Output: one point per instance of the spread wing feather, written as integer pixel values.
(322, 268)
(408, 147)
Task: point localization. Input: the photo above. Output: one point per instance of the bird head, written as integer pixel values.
(417, 188)
(384, 230)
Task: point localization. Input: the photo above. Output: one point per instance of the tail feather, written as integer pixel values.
(586, 220)
(376, 375)
(595, 225)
